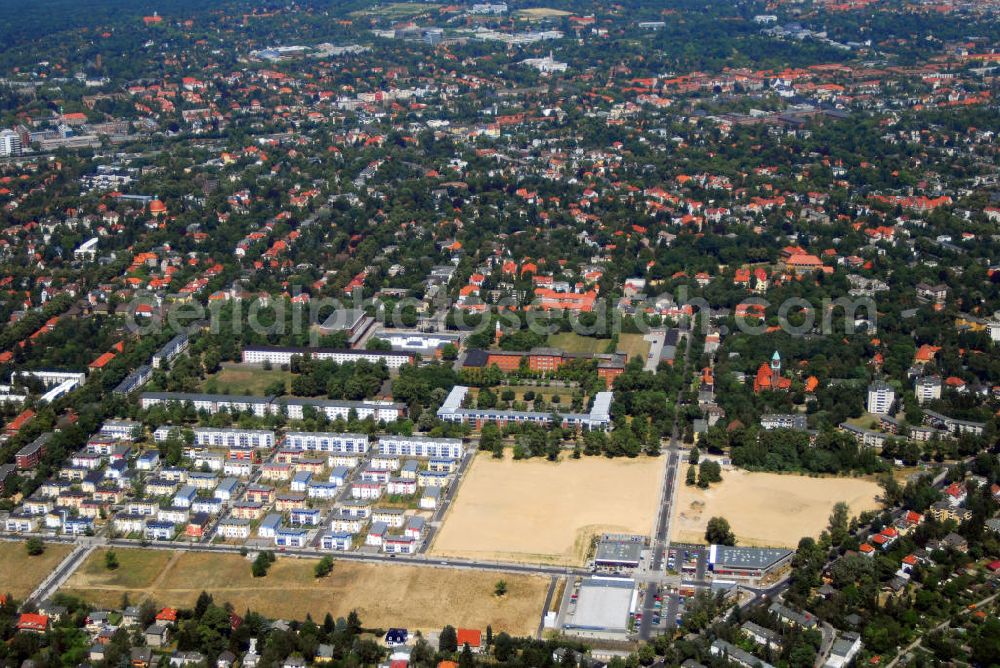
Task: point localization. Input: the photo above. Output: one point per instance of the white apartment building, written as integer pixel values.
(880, 398)
(283, 355)
(421, 446)
(927, 388)
(324, 441)
(247, 438)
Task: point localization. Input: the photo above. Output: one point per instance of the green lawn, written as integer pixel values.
(398, 10)
(239, 379)
(634, 345)
(137, 569)
(865, 421)
(574, 343)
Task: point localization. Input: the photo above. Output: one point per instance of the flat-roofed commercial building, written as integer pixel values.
(619, 554)
(746, 563)
(603, 606)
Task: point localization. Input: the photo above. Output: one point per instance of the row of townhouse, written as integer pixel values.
(294, 408)
(380, 535)
(150, 528)
(430, 497)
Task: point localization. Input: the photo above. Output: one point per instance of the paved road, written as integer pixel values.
(553, 581)
(374, 557)
(66, 568)
(659, 547)
(661, 537)
(829, 636)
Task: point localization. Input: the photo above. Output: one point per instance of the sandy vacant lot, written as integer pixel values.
(540, 511)
(384, 595)
(20, 574)
(767, 509)
(542, 12)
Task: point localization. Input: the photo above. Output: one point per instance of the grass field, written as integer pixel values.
(397, 10)
(565, 393)
(574, 343)
(865, 420)
(415, 597)
(767, 509)
(239, 379)
(20, 574)
(634, 345)
(542, 511)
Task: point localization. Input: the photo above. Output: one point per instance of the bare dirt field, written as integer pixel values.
(768, 509)
(415, 597)
(541, 511)
(20, 574)
(542, 12)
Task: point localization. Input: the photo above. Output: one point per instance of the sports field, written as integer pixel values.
(541, 511)
(767, 509)
(20, 574)
(415, 597)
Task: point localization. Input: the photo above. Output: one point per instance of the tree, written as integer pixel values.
(202, 604)
(718, 532)
(839, 520)
(465, 659)
(694, 455)
(692, 475)
(324, 567)
(503, 647)
(368, 652)
(491, 440)
(422, 654)
(110, 560)
(448, 640)
(353, 622)
(986, 647)
(500, 588)
(260, 565)
(709, 472)
(34, 546)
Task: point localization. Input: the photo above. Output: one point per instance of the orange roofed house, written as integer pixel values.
(769, 378)
(471, 637)
(32, 623)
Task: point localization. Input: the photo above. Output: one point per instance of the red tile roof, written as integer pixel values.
(472, 637)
